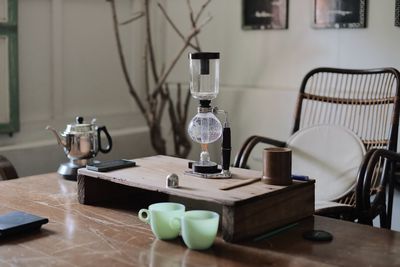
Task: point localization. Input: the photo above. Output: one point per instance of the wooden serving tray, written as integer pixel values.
(246, 211)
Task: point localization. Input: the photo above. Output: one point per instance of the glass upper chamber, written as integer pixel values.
(204, 75)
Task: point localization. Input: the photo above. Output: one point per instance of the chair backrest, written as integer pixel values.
(7, 170)
(364, 101)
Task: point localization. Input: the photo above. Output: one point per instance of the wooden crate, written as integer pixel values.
(246, 211)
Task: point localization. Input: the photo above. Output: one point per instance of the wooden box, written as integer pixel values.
(246, 211)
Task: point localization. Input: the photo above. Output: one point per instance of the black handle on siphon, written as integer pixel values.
(226, 148)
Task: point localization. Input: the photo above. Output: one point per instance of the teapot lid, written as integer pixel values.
(78, 127)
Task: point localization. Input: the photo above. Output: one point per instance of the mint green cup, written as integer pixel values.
(198, 228)
(159, 215)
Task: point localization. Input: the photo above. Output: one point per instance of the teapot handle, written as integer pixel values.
(109, 140)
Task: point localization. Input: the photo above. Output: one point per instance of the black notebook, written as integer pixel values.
(19, 222)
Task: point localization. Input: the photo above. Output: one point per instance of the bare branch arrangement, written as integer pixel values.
(157, 91)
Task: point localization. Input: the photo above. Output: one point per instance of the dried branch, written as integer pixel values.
(146, 74)
(203, 7)
(155, 102)
(164, 99)
(182, 145)
(178, 55)
(178, 101)
(191, 15)
(162, 68)
(135, 16)
(186, 106)
(174, 122)
(161, 108)
(175, 27)
(150, 42)
(132, 90)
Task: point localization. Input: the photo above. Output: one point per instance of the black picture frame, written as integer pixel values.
(9, 82)
(336, 14)
(397, 14)
(265, 14)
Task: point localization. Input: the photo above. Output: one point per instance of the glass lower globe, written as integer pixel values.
(205, 128)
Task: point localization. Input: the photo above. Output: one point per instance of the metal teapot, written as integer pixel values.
(81, 142)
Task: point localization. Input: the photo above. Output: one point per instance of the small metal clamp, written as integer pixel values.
(172, 181)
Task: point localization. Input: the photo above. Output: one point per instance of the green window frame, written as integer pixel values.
(9, 117)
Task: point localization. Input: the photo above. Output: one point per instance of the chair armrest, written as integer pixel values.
(7, 170)
(244, 152)
(376, 175)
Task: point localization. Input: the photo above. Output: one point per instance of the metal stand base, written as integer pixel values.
(69, 170)
(223, 174)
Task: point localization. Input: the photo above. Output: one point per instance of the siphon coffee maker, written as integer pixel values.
(205, 128)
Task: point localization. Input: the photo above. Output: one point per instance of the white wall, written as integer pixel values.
(69, 66)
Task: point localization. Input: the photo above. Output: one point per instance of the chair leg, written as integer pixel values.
(383, 220)
(390, 196)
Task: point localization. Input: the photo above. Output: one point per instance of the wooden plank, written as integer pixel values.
(92, 191)
(240, 184)
(252, 219)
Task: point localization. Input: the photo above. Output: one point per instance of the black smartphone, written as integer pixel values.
(110, 165)
(18, 222)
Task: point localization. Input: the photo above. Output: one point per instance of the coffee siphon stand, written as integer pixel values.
(205, 128)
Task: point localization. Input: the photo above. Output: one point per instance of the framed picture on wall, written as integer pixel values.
(9, 107)
(340, 13)
(397, 14)
(264, 14)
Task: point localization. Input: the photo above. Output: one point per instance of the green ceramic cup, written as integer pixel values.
(159, 215)
(198, 228)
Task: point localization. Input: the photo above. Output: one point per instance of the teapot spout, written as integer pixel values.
(59, 140)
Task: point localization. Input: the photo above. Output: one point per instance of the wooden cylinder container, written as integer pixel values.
(277, 166)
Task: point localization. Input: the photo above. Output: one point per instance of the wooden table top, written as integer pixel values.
(80, 235)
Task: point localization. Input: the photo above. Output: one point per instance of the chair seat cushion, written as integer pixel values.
(329, 154)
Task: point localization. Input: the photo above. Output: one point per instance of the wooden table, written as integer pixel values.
(80, 235)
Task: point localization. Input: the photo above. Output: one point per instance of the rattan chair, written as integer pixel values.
(364, 101)
(7, 170)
